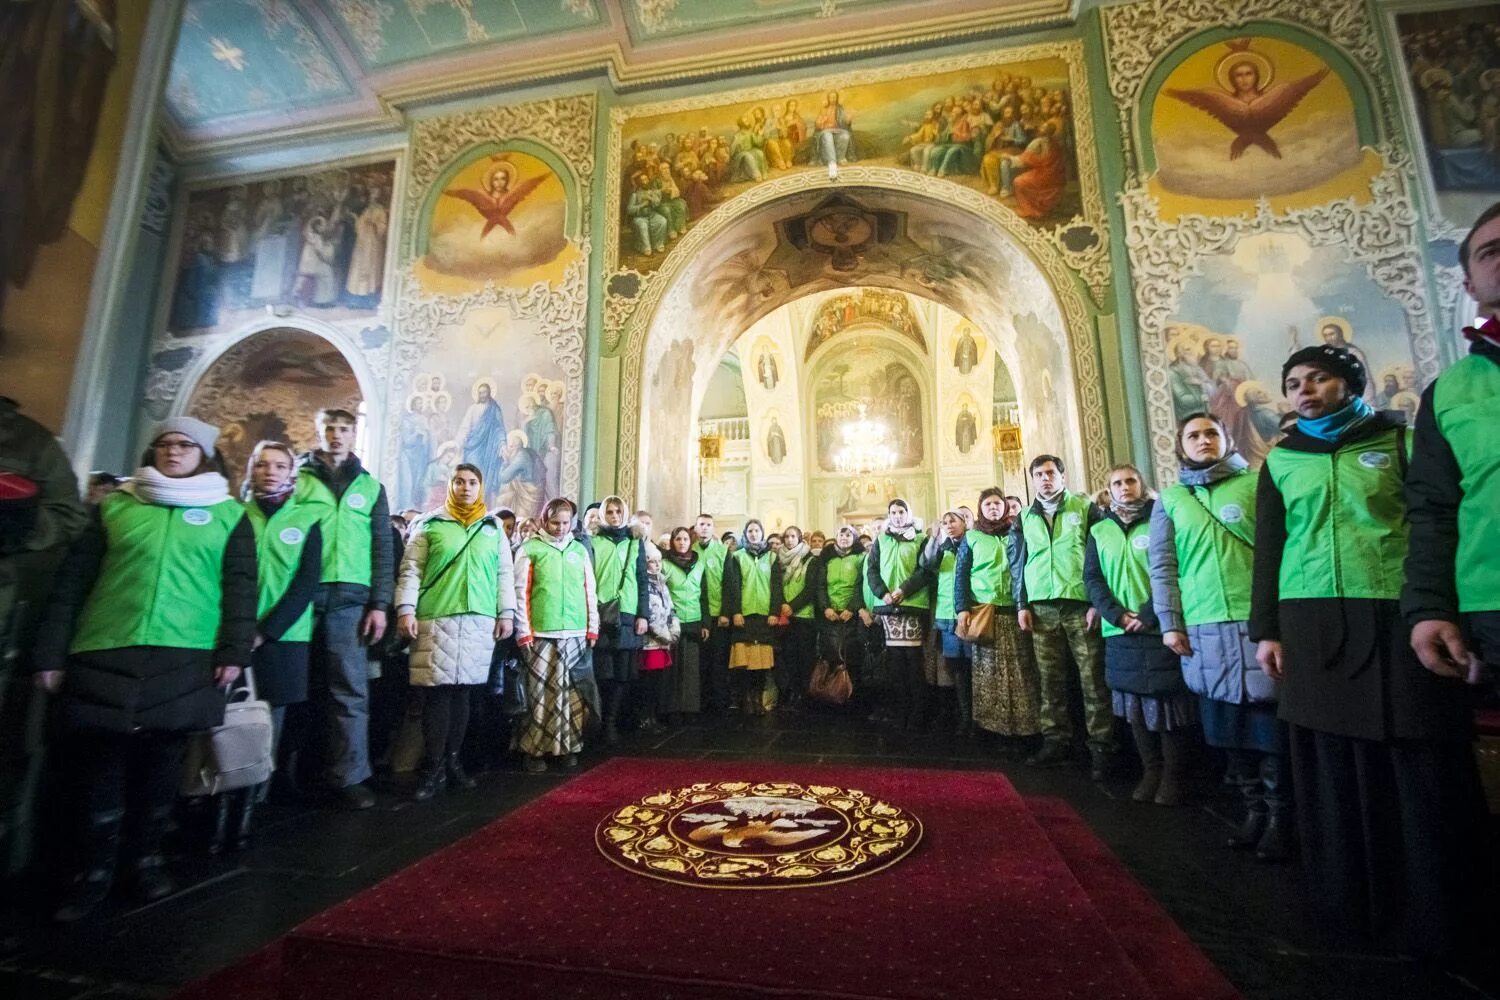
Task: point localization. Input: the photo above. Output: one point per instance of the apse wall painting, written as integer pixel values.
(887, 308)
(1251, 117)
(877, 383)
(1006, 130)
(1248, 309)
(315, 241)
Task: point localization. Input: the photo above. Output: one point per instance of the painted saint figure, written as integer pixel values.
(482, 432)
(500, 196)
(833, 132)
(775, 443)
(966, 355)
(965, 430)
(766, 371)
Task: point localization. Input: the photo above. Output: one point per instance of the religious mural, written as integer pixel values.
(1005, 130)
(1247, 310)
(870, 382)
(889, 309)
(314, 241)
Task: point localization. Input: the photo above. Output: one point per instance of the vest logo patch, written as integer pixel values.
(488, 529)
(1375, 460)
(358, 501)
(1073, 519)
(1141, 541)
(573, 557)
(197, 516)
(291, 536)
(1231, 513)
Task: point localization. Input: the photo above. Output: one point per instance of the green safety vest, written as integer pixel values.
(989, 573)
(944, 609)
(711, 558)
(685, 586)
(898, 560)
(616, 578)
(1346, 525)
(461, 576)
(346, 525)
(1466, 408)
(755, 582)
(1215, 551)
(279, 541)
(161, 582)
(844, 573)
(792, 589)
(1054, 554)
(1125, 558)
(556, 586)
(871, 601)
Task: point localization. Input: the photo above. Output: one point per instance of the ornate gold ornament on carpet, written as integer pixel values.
(772, 835)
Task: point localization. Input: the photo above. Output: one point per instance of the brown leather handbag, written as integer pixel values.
(981, 624)
(830, 684)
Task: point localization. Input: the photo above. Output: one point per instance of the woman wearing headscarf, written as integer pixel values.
(663, 629)
(1003, 674)
(1202, 561)
(902, 587)
(620, 568)
(455, 598)
(557, 621)
(799, 639)
(1145, 677)
(939, 557)
(840, 598)
(152, 612)
(685, 569)
(752, 596)
(1389, 806)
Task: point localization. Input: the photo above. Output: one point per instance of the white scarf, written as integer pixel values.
(150, 485)
(1050, 504)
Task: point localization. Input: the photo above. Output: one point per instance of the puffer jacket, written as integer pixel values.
(662, 627)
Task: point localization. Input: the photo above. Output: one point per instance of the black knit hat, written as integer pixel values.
(1337, 361)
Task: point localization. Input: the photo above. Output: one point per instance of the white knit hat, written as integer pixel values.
(204, 435)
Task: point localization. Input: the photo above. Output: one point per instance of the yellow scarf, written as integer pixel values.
(465, 514)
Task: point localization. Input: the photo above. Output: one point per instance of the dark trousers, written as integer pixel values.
(715, 667)
(340, 689)
(132, 777)
(445, 721)
(799, 647)
(908, 684)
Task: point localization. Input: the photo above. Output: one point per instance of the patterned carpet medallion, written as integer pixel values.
(773, 835)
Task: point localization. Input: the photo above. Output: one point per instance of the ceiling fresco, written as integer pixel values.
(385, 32)
(651, 19)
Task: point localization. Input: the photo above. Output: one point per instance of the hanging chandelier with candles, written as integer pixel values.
(867, 450)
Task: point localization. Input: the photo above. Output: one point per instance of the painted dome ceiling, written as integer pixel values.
(245, 68)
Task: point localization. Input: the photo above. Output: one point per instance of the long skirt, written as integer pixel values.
(681, 692)
(555, 712)
(1007, 686)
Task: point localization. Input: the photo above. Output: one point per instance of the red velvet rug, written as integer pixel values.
(1002, 898)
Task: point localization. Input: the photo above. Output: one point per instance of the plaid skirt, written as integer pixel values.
(555, 709)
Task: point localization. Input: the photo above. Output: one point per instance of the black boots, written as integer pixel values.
(434, 778)
(1149, 746)
(964, 692)
(1275, 843)
(234, 820)
(457, 776)
(1054, 753)
(614, 700)
(97, 874)
(1171, 790)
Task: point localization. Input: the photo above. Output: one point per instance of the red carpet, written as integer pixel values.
(1003, 898)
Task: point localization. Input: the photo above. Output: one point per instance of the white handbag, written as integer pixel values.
(234, 755)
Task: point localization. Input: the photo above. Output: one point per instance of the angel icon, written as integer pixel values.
(501, 194)
(1248, 103)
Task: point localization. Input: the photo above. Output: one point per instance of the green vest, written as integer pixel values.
(685, 586)
(461, 576)
(1466, 407)
(844, 573)
(1125, 558)
(279, 542)
(556, 586)
(864, 581)
(792, 589)
(898, 560)
(1054, 555)
(989, 573)
(161, 581)
(614, 571)
(346, 525)
(944, 608)
(1345, 519)
(755, 582)
(1215, 552)
(711, 558)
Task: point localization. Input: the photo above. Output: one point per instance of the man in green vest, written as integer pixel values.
(353, 598)
(1046, 568)
(716, 651)
(1452, 593)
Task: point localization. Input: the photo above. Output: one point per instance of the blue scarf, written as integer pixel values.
(1335, 425)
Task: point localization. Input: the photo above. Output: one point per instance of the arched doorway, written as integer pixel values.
(268, 385)
(877, 228)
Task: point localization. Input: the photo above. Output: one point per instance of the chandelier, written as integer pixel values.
(867, 449)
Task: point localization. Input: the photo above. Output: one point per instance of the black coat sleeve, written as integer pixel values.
(963, 569)
(1433, 493)
(703, 601)
(872, 572)
(70, 589)
(382, 555)
(1270, 541)
(642, 579)
(809, 593)
(1015, 552)
(300, 593)
(778, 592)
(239, 597)
(821, 600)
(1094, 584)
(729, 594)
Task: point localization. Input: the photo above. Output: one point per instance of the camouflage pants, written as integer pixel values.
(1057, 628)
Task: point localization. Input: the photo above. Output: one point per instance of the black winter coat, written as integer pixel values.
(1135, 662)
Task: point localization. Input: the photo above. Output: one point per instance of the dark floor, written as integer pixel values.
(1244, 915)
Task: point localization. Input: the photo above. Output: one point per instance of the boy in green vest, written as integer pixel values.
(359, 576)
(1452, 593)
(1046, 565)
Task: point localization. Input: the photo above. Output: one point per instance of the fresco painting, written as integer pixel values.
(1006, 130)
(874, 382)
(314, 241)
(1248, 309)
(1255, 117)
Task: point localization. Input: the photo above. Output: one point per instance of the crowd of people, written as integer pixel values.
(1323, 622)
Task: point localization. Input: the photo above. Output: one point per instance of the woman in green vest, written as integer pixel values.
(1003, 677)
(455, 598)
(686, 571)
(799, 635)
(1202, 556)
(901, 587)
(1144, 677)
(289, 561)
(1389, 806)
(840, 598)
(557, 622)
(152, 612)
(752, 598)
(620, 567)
(939, 557)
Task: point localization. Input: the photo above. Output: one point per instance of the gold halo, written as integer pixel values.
(508, 169)
(474, 391)
(1434, 76)
(1193, 344)
(1262, 65)
(1341, 323)
(1243, 390)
